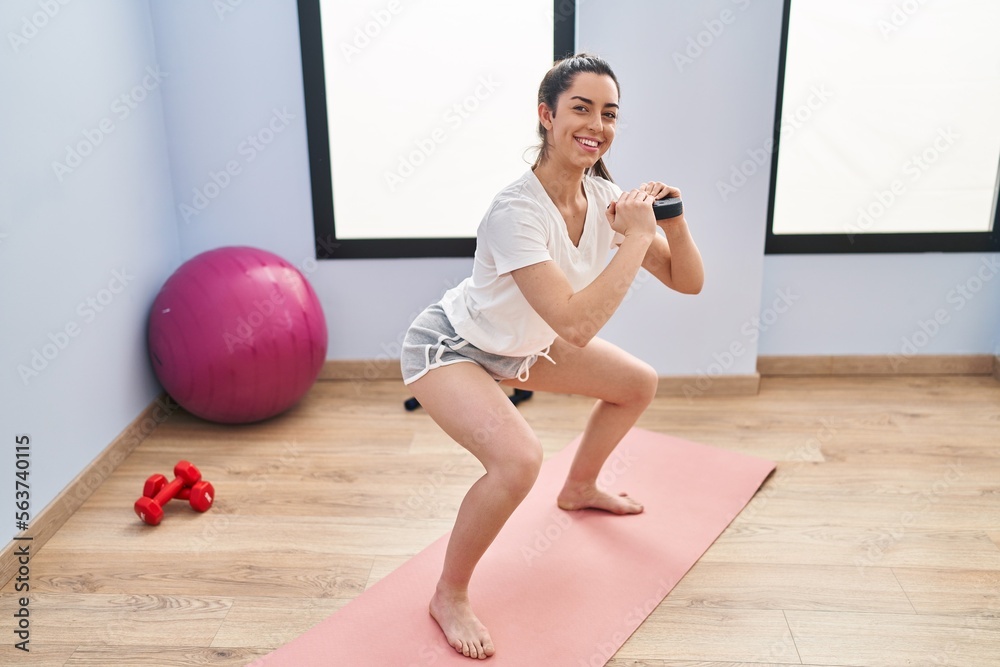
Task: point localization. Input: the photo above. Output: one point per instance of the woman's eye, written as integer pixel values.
(612, 116)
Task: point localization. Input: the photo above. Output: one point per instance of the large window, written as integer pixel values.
(418, 113)
(888, 127)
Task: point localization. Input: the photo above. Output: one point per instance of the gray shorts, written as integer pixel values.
(431, 342)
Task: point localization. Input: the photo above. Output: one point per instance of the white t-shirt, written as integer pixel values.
(523, 227)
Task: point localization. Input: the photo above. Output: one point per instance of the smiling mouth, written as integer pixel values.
(590, 144)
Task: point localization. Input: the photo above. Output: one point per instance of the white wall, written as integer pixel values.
(686, 121)
(103, 231)
(885, 304)
(230, 78)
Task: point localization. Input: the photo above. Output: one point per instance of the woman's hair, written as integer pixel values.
(555, 82)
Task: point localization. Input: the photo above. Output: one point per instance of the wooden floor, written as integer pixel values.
(875, 543)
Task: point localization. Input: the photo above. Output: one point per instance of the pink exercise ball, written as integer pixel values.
(237, 335)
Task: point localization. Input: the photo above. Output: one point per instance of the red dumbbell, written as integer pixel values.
(150, 509)
(200, 495)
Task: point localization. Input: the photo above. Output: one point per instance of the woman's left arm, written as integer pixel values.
(674, 260)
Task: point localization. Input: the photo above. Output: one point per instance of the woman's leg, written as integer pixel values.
(471, 408)
(624, 387)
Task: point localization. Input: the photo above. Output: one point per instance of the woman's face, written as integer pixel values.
(583, 126)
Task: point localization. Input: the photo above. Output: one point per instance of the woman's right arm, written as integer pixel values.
(577, 316)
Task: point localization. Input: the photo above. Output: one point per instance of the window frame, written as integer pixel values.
(846, 243)
(327, 245)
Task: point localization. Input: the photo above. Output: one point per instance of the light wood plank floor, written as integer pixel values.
(876, 542)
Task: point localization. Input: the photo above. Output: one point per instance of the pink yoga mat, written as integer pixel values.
(556, 588)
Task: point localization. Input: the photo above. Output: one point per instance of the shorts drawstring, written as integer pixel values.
(528, 361)
(432, 342)
(450, 345)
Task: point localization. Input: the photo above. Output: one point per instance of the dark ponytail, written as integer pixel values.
(557, 81)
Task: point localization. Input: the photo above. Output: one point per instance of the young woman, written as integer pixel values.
(542, 286)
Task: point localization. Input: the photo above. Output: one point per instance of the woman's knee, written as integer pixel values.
(520, 465)
(640, 385)
(650, 382)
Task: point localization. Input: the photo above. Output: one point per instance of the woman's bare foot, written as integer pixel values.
(462, 629)
(588, 496)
